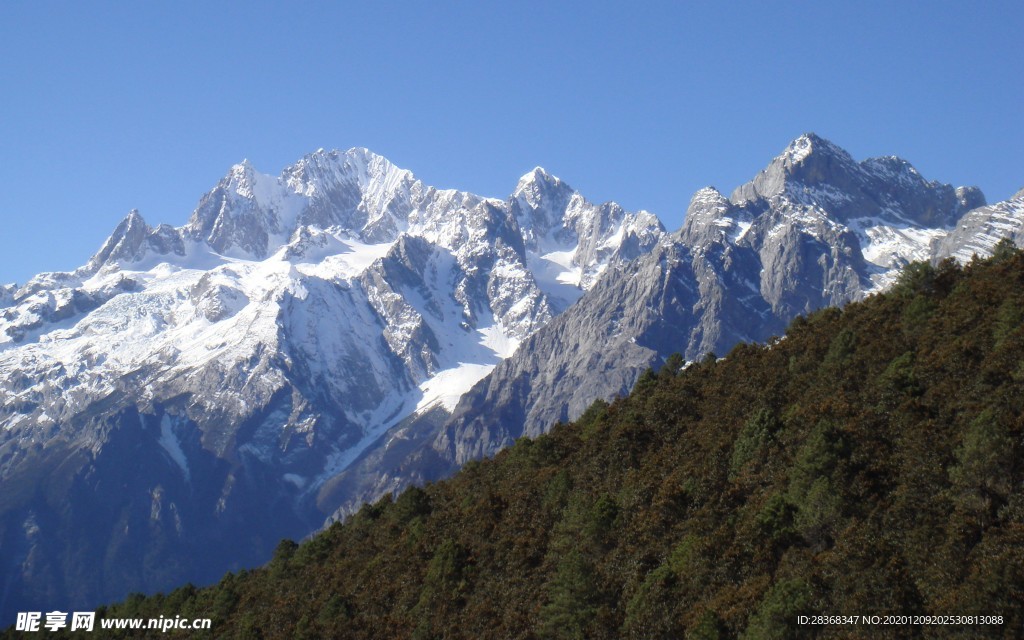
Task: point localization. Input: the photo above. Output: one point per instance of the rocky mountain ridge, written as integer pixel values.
(814, 229)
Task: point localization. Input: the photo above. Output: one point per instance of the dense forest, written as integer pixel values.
(869, 463)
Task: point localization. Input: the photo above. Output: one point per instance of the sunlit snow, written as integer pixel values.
(229, 329)
(170, 444)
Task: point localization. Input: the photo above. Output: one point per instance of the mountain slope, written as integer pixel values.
(980, 230)
(867, 463)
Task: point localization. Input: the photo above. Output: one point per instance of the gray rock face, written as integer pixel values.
(133, 239)
(978, 232)
(127, 240)
(814, 172)
(230, 218)
(588, 352)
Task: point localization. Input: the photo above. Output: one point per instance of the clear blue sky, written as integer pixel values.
(109, 106)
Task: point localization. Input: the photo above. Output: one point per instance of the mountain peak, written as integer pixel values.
(125, 243)
(710, 217)
(972, 198)
(708, 193)
(324, 171)
(808, 161)
(808, 146)
(538, 175)
(242, 169)
(538, 185)
(133, 218)
(242, 179)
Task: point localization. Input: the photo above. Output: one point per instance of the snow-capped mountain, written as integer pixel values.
(569, 243)
(813, 229)
(245, 358)
(312, 340)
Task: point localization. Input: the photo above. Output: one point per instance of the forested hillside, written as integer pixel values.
(867, 463)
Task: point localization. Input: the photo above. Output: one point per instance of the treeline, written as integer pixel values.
(868, 463)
